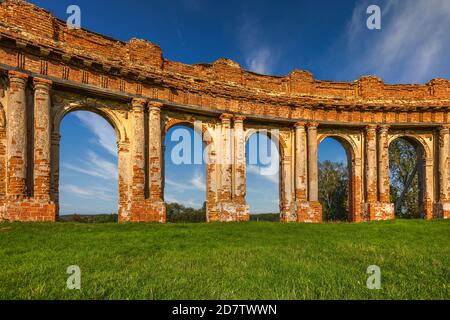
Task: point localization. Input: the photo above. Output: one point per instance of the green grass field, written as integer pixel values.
(254, 260)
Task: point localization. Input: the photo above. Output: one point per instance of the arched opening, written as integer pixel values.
(407, 177)
(335, 179)
(88, 173)
(184, 174)
(263, 192)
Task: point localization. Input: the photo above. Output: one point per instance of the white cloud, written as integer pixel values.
(259, 56)
(95, 166)
(197, 182)
(255, 170)
(412, 45)
(105, 135)
(91, 193)
(188, 203)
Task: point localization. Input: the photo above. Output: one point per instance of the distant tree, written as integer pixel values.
(179, 213)
(403, 169)
(333, 190)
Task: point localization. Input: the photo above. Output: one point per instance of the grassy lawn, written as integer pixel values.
(254, 260)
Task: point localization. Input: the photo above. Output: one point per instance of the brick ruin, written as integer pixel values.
(48, 71)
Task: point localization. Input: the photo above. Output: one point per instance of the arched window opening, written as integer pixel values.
(335, 179)
(88, 173)
(407, 177)
(184, 175)
(263, 176)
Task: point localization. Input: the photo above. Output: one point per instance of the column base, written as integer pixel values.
(379, 211)
(288, 215)
(146, 211)
(28, 210)
(228, 212)
(309, 212)
(441, 210)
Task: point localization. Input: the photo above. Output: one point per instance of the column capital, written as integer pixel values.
(226, 117)
(371, 127)
(384, 128)
(239, 118)
(153, 105)
(445, 128)
(17, 76)
(42, 84)
(123, 145)
(138, 103)
(300, 125)
(312, 125)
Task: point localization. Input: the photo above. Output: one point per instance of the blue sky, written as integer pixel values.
(328, 38)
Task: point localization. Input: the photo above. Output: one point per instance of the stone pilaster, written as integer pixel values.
(42, 139)
(142, 209)
(443, 210)
(231, 204)
(310, 210)
(54, 174)
(138, 150)
(124, 181)
(301, 174)
(313, 180)
(226, 163)
(377, 169)
(371, 164)
(239, 187)
(383, 164)
(16, 119)
(155, 151)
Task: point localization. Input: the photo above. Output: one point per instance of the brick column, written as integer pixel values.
(16, 119)
(155, 151)
(123, 157)
(42, 143)
(444, 172)
(54, 168)
(383, 165)
(226, 158)
(138, 150)
(239, 160)
(307, 206)
(313, 183)
(371, 164)
(300, 162)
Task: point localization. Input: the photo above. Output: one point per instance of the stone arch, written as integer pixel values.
(280, 142)
(109, 115)
(354, 169)
(119, 127)
(425, 167)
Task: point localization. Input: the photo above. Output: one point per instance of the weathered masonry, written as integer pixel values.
(48, 71)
